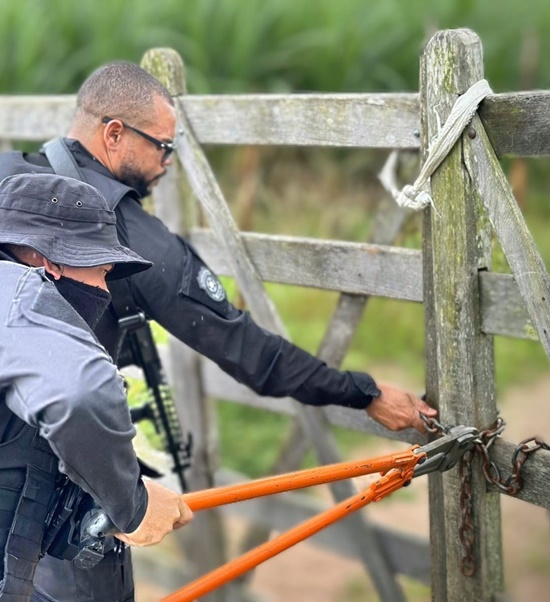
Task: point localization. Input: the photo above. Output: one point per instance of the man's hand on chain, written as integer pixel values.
(397, 409)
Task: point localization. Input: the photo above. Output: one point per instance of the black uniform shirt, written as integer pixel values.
(183, 296)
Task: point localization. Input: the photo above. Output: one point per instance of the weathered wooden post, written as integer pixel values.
(206, 547)
(314, 421)
(460, 365)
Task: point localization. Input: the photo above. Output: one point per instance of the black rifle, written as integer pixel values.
(139, 349)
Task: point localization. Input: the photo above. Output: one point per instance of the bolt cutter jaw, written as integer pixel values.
(443, 453)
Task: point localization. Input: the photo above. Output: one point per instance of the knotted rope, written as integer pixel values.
(415, 195)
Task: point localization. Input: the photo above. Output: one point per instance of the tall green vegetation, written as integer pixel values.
(48, 46)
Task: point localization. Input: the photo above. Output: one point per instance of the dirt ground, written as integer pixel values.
(308, 574)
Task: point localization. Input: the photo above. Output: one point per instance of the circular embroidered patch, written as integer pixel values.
(210, 284)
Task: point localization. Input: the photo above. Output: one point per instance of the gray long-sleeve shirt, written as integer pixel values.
(55, 375)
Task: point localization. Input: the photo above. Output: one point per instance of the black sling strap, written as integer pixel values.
(62, 161)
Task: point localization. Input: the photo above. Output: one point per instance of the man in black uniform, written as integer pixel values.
(121, 140)
(63, 408)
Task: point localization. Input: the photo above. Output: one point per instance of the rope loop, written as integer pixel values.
(415, 195)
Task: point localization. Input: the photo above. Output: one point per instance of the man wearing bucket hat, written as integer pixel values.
(121, 141)
(63, 409)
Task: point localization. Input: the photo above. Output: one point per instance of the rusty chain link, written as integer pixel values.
(433, 426)
(511, 485)
(468, 562)
(519, 457)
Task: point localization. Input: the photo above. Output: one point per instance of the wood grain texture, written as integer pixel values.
(517, 123)
(315, 424)
(463, 303)
(221, 386)
(354, 268)
(460, 357)
(509, 225)
(196, 412)
(503, 310)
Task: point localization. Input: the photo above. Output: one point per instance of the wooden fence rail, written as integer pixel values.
(465, 302)
(516, 123)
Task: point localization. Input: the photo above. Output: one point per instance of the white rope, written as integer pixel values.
(388, 174)
(416, 196)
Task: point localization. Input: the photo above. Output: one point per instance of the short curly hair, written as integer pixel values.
(121, 90)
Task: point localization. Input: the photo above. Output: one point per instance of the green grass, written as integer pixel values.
(249, 438)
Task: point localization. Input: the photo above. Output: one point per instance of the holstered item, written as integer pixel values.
(78, 530)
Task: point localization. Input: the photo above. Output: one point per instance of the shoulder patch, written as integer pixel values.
(210, 284)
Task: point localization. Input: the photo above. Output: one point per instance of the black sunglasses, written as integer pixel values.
(167, 147)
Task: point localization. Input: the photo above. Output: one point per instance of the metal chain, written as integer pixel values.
(433, 426)
(468, 562)
(519, 457)
(514, 482)
(483, 445)
(511, 485)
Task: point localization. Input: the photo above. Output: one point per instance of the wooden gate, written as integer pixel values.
(465, 302)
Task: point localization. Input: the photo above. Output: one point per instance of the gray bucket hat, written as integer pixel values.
(67, 221)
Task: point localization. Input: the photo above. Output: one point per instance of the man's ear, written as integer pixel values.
(112, 134)
(54, 269)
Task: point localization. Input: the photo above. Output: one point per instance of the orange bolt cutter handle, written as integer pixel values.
(219, 496)
(397, 469)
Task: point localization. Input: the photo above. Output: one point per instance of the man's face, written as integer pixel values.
(144, 163)
(94, 276)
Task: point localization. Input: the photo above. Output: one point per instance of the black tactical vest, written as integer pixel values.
(28, 473)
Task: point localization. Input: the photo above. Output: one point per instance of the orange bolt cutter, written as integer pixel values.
(396, 470)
